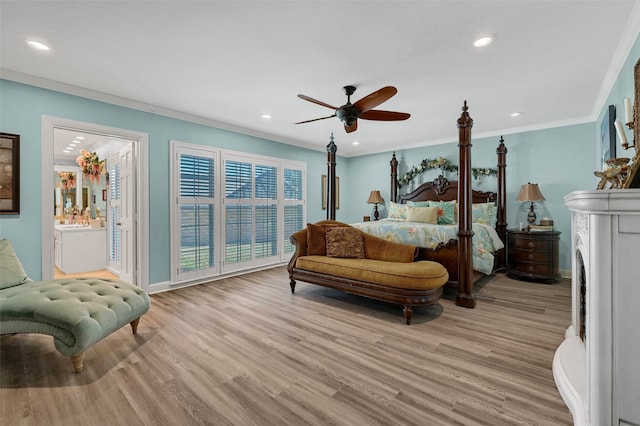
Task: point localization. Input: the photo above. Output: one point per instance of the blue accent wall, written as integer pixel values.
(21, 109)
(560, 160)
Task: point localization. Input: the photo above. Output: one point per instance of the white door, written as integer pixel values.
(122, 211)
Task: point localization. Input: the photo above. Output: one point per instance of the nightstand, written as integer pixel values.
(533, 255)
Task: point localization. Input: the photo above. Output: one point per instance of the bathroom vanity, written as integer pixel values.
(80, 248)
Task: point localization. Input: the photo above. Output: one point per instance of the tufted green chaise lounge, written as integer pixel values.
(77, 312)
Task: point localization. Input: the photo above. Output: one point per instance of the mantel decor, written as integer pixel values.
(624, 172)
(445, 166)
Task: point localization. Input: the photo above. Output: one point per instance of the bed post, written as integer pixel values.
(465, 296)
(331, 179)
(501, 225)
(394, 178)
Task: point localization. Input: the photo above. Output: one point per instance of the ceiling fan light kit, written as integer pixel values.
(349, 113)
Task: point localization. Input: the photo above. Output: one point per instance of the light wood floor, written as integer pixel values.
(244, 351)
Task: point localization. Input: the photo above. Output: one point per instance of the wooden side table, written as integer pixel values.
(533, 255)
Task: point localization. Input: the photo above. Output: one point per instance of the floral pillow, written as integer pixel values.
(446, 211)
(344, 242)
(422, 214)
(484, 213)
(397, 211)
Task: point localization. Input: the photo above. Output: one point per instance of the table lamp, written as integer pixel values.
(530, 192)
(375, 198)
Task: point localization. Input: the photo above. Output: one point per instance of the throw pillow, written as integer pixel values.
(418, 203)
(422, 214)
(446, 211)
(397, 211)
(316, 242)
(11, 271)
(484, 213)
(344, 242)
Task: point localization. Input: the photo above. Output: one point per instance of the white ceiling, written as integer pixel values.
(226, 63)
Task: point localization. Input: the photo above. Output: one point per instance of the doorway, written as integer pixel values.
(111, 144)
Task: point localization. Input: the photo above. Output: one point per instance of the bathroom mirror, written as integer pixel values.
(67, 189)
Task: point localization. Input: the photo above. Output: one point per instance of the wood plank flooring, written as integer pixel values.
(244, 351)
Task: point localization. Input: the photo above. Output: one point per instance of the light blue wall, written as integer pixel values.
(560, 160)
(21, 109)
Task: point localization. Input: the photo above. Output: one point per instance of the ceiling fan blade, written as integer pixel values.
(315, 119)
(378, 114)
(315, 101)
(374, 99)
(352, 128)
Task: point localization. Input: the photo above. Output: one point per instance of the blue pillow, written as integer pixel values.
(446, 211)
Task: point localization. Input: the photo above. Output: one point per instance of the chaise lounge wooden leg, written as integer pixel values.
(78, 362)
(292, 283)
(134, 325)
(407, 313)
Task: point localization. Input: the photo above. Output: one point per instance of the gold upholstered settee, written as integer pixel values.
(334, 254)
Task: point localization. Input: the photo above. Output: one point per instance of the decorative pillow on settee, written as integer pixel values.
(11, 271)
(344, 242)
(316, 239)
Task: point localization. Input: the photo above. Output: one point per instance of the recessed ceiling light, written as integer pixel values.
(73, 144)
(80, 137)
(267, 116)
(66, 151)
(355, 143)
(484, 40)
(37, 45)
(516, 114)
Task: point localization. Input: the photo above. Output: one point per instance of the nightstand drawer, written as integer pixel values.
(531, 243)
(533, 268)
(531, 255)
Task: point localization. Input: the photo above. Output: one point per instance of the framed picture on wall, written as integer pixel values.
(9, 173)
(608, 136)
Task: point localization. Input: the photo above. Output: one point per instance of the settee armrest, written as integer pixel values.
(380, 249)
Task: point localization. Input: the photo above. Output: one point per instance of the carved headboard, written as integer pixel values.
(441, 189)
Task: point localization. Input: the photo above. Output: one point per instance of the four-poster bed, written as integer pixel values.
(456, 252)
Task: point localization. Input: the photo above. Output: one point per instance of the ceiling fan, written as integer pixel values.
(349, 113)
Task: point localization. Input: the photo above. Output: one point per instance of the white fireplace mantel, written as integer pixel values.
(599, 376)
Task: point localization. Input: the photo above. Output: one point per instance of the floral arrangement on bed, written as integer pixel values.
(445, 166)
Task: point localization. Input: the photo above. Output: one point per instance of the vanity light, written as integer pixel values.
(37, 45)
(484, 40)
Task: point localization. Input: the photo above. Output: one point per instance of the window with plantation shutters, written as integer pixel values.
(196, 213)
(293, 216)
(251, 211)
(232, 210)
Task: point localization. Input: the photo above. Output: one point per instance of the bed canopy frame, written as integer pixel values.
(457, 254)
